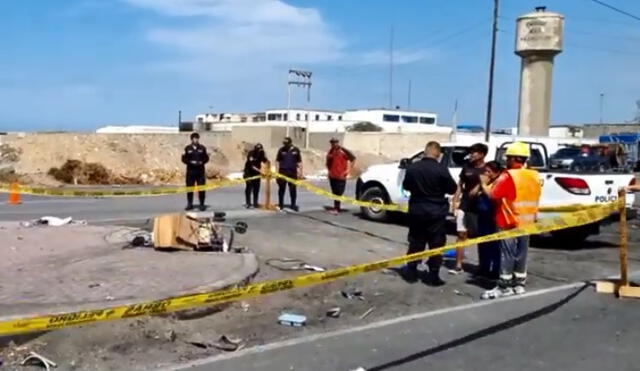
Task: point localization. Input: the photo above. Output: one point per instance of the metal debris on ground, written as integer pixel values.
(229, 344)
(292, 264)
(170, 335)
(36, 359)
(352, 294)
(334, 312)
(198, 340)
(368, 312)
(294, 320)
(245, 306)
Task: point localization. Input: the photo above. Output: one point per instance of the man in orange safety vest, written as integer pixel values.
(516, 194)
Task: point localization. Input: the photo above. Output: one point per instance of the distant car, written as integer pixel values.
(564, 158)
(593, 162)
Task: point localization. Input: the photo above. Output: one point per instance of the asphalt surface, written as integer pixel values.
(570, 328)
(139, 208)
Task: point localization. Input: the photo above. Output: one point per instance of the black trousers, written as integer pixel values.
(282, 187)
(337, 188)
(425, 230)
(193, 178)
(252, 188)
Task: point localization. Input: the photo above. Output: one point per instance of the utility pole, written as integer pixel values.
(492, 65)
(601, 106)
(391, 69)
(454, 119)
(409, 96)
(299, 78)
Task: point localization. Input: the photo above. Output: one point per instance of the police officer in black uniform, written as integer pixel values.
(428, 181)
(289, 163)
(195, 157)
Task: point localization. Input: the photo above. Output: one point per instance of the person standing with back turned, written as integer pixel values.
(195, 157)
(339, 163)
(428, 181)
(516, 194)
(289, 163)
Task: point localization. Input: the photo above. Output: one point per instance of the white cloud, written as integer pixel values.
(237, 44)
(377, 57)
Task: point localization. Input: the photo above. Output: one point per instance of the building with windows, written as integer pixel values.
(301, 115)
(326, 120)
(385, 117)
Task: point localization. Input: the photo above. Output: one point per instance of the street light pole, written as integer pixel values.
(299, 78)
(601, 106)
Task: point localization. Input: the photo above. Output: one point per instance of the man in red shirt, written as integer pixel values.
(339, 164)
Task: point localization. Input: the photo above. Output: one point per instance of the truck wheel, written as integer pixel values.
(378, 196)
(572, 238)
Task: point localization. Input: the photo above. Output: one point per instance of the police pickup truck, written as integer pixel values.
(383, 184)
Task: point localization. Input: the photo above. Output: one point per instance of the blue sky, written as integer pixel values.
(81, 64)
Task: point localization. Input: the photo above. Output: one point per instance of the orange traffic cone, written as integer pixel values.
(14, 195)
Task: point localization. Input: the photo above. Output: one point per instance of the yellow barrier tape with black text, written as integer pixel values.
(61, 320)
(160, 191)
(404, 208)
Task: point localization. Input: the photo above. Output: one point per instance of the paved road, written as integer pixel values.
(570, 328)
(128, 209)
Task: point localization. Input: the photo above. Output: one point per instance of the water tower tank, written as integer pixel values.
(539, 32)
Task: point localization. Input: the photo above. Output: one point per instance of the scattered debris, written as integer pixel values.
(292, 264)
(195, 231)
(170, 335)
(245, 306)
(199, 341)
(352, 294)
(52, 221)
(36, 359)
(109, 298)
(225, 343)
(92, 285)
(368, 312)
(294, 320)
(334, 312)
(142, 240)
(229, 344)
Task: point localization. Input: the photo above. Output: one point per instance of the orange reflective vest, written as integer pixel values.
(524, 208)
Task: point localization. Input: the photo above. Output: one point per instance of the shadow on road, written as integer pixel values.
(481, 333)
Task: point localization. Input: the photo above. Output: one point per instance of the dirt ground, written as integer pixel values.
(318, 239)
(134, 159)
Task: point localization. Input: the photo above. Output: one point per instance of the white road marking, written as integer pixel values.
(375, 325)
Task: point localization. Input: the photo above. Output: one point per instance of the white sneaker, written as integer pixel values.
(496, 293)
(519, 290)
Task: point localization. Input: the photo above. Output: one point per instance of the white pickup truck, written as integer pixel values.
(383, 184)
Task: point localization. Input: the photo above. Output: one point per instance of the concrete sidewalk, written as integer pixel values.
(53, 269)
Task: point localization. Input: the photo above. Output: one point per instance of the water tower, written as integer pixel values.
(538, 41)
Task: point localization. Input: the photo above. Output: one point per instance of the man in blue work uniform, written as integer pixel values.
(428, 181)
(289, 164)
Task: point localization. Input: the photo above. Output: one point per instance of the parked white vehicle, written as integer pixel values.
(383, 184)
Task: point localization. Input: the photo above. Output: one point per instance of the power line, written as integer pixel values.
(637, 18)
(440, 40)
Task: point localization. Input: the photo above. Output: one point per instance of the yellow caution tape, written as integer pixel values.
(57, 192)
(404, 208)
(60, 320)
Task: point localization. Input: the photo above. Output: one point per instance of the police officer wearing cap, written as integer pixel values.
(195, 157)
(289, 164)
